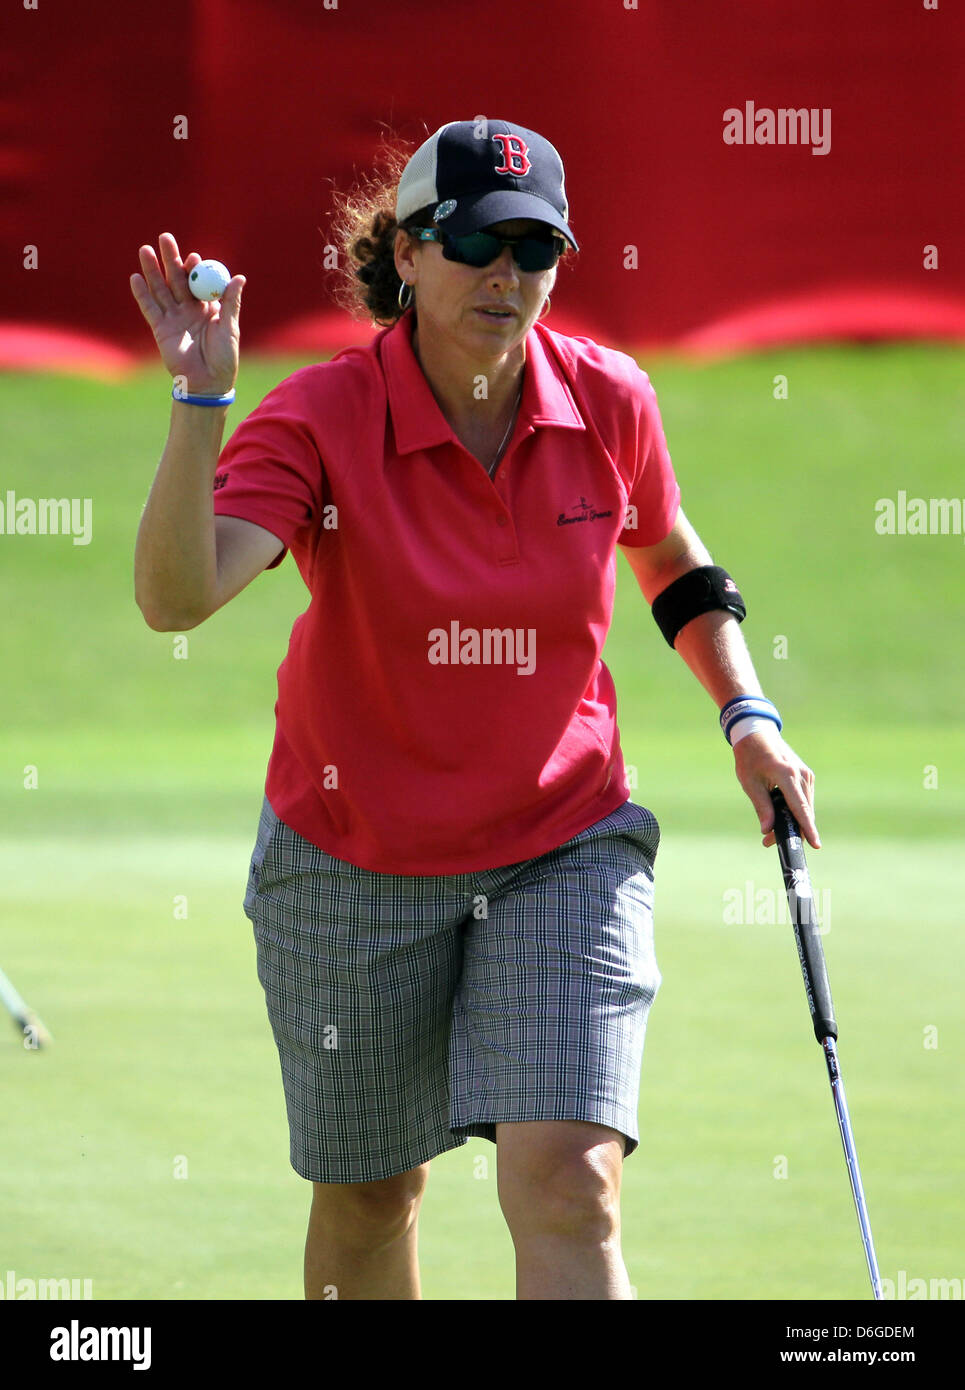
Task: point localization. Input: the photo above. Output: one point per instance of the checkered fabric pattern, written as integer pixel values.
(412, 1012)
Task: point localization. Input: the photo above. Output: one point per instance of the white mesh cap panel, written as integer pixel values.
(417, 187)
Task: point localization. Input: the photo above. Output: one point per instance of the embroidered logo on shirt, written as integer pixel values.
(585, 511)
(219, 480)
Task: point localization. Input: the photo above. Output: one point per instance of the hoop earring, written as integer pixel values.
(402, 289)
(546, 308)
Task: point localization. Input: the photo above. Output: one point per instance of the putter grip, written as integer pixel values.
(804, 919)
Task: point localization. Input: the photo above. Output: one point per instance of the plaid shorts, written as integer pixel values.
(411, 1012)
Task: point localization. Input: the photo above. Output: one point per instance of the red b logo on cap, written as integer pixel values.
(515, 155)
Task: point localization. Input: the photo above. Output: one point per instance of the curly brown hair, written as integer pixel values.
(364, 231)
(363, 226)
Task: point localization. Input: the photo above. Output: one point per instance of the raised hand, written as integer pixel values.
(197, 339)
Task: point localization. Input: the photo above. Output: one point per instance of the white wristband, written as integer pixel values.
(751, 725)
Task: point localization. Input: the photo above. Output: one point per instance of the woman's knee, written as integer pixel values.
(383, 1210)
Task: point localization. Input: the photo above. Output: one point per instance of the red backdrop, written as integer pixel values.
(737, 244)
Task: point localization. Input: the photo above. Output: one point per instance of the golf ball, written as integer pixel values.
(209, 280)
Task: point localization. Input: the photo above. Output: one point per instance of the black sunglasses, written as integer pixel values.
(481, 248)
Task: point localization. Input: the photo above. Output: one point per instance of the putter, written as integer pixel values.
(23, 1016)
(800, 900)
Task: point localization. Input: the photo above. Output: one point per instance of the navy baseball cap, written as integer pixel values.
(475, 173)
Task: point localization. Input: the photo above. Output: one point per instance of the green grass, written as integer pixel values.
(163, 1056)
(149, 773)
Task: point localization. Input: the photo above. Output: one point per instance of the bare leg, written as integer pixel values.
(362, 1240)
(559, 1189)
(557, 1267)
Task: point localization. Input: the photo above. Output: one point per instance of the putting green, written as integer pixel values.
(152, 1149)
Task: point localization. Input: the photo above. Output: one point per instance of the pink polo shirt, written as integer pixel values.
(443, 707)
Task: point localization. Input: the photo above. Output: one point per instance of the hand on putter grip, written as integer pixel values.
(762, 761)
(197, 339)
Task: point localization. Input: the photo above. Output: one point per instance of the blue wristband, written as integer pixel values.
(742, 706)
(187, 399)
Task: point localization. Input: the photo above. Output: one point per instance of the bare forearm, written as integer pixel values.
(713, 647)
(175, 557)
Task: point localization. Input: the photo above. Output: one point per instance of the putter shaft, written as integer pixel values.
(851, 1158)
(807, 935)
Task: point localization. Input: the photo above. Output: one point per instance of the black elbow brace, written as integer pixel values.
(698, 591)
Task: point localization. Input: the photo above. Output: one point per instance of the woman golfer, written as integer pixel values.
(451, 892)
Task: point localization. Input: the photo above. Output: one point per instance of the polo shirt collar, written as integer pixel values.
(417, 421)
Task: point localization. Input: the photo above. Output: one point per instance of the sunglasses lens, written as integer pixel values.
(481, 248)
(537, 253)
(476, 249)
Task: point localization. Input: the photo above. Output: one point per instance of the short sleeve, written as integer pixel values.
(654, 494)
(270, 471)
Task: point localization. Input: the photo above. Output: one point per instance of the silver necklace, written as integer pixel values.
(512, 421)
